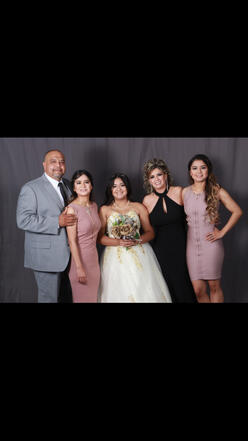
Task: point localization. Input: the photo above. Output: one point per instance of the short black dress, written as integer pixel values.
(169, 246)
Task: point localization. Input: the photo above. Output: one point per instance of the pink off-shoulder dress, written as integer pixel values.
(204, 259)
(88, 227)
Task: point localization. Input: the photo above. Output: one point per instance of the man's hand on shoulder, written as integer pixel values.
(67, 219)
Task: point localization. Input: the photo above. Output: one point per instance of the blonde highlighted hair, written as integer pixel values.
(151, 165)
(212, 189)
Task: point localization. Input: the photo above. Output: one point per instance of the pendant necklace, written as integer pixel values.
(115, 205)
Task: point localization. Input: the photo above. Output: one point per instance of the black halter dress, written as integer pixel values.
(169, 246)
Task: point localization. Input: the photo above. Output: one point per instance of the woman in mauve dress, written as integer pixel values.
(85, 271)
(205, 251)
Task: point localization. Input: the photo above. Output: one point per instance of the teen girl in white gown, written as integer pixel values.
(130, 272)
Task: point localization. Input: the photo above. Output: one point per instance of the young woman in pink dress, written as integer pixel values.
(85, 271)
(205, 251)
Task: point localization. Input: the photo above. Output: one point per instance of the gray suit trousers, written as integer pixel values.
(48, 286)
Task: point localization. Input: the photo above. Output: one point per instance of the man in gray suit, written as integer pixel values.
(41, 213)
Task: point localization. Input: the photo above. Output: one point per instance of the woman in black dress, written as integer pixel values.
(165, 206)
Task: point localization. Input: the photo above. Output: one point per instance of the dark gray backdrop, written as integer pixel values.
(21, 161)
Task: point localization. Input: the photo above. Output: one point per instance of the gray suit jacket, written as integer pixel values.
(38, 211)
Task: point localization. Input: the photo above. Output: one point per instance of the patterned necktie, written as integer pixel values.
(62, 191)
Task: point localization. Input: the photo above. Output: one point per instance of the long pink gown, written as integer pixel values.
(204, 258)
(88, 227)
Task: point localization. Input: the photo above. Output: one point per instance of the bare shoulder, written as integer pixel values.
(103, 209)
(136, 205)
(140, 208)
(148, 198)
(175, 193)
(223, 194)
(222, 191)
(176, 190)
(70, 210)
(185, 189)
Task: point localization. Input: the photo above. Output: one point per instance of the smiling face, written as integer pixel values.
(199, 171)
(119, 190)
(83, 186)
(158, 180)
(54, 165)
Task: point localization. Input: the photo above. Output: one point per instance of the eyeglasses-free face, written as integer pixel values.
(119, 189)
(83, 186)
(54, 165)
(199, 171)
(158, 179)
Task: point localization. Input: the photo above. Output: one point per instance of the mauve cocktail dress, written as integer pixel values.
(88, 227)
(204, 259)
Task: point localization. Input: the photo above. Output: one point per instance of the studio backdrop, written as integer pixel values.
(21, 161)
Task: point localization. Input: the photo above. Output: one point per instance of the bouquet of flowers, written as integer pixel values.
(124, 227)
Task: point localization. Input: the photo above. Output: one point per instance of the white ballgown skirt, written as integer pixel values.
(132, 275)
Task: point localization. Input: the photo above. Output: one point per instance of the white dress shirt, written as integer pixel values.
(55, 185)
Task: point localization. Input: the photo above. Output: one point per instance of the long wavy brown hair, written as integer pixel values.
(212, 189)
(151, 165)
